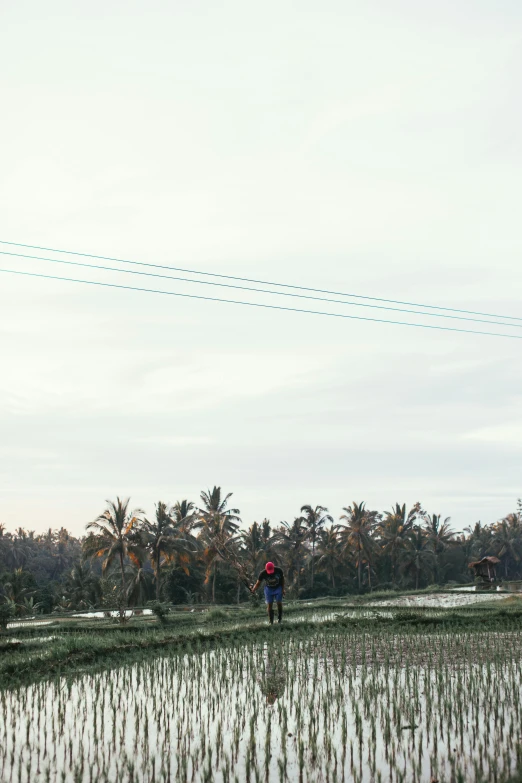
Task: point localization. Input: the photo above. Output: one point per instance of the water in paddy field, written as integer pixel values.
(333, 707)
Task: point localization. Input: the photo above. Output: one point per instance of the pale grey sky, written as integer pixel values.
(371, 147)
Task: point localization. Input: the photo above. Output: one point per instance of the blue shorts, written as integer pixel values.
(273, 594)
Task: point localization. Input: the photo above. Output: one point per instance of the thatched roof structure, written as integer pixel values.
(491, 559)
(485, 569)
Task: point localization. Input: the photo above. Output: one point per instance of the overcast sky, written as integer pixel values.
(367, 147)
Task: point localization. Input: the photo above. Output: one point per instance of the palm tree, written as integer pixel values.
(394, 530)
(330, 554)
(47, 539)
(440, 535)
(291, 538)
(82, 587)
(356, 536)
(418, 554)
(314, 520)
(508, 539)
(254, 546)
(217, 524)
(17, 589)
(6, 546)
(183, 514)
(63, 551)
(480, 541)
(266, 531)
(115, 535)
(139, 588)
(20, 549)
(163, 538)
(215, 512)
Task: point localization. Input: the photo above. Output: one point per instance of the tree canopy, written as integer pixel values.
(189, 553)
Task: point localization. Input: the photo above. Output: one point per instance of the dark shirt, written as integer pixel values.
(277, 579)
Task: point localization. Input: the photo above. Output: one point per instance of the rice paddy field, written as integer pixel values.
(337, 693)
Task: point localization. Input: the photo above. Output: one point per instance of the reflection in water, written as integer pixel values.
(272, 679)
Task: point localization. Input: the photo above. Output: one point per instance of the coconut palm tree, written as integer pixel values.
(6, 546)
(47, 539)
(217, 524)
(440, 535)
(253, 547)
(139, 587)
(314, 520)
(291, 539)
(508, 542)
(20, 549)
(266, 531)
(250, 549)
(330, 552)
(356, 537)
(394, 530)
(215, 511)
(417, 554)
(183, 512)
(164, 538)
(82, 587)
(115, 536)
(480, 541)
(17, 589)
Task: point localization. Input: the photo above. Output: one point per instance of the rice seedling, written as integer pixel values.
(311, 705)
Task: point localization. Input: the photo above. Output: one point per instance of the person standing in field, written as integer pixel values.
(274, 590)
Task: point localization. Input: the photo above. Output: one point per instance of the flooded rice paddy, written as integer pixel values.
(331, 707)
(443, 600)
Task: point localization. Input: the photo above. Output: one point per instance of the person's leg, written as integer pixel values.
(279, 598)
(269, 599)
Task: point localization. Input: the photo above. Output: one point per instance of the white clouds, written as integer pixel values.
(373, 149)
(176, 440)
(504, 435)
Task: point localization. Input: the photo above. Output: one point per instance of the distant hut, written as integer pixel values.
(485, 570)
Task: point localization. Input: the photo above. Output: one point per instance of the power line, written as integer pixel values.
(258, 304)
(262, 282)
(256, 290)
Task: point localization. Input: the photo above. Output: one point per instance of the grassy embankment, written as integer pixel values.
(29, 653)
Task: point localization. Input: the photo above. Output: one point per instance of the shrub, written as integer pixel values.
(160, 609)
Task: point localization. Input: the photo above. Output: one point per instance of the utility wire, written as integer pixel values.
(257, 290)
(258, 304)
(262, 282)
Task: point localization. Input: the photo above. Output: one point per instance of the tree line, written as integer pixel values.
(188, 553)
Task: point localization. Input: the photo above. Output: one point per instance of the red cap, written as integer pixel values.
(269, 568)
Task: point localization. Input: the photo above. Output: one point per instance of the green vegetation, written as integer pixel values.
(341, 691)
(34, 651)
(198, 555)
